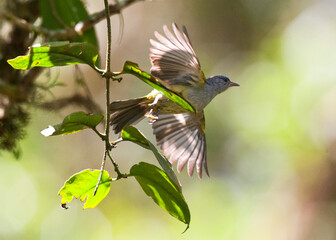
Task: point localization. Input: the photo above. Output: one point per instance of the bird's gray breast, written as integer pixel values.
(199, 97)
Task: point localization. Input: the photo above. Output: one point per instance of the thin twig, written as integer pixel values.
(68, 33)
(116, 168)
(121, 27)
(80, 80)
(108, 50)
(60, 34)
(108, 76)
(98, 16)
(76, 99)
(100, 174)
(57, 17)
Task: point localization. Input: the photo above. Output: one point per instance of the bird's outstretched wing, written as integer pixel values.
(174, 61)
(182, 139)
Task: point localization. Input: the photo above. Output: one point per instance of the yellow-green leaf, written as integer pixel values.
(57, 54)
(82, 185)
(73, 123)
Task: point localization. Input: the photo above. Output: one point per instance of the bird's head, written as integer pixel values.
(220, 83)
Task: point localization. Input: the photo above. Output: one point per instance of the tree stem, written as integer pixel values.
(107, 74)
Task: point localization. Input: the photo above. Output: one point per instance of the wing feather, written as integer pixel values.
(184, 42)
(185, 157)
(181, 152)
(194, 157)
(182, 140)
(174, 61)
(201, 161)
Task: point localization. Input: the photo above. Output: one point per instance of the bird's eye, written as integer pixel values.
(226, 80)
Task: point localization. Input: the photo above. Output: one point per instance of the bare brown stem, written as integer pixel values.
(68, 33)
(76, 99)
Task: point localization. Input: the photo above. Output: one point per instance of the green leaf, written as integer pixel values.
(159, 187)
(57, 54)
(133, 68)
(132, 134)
(70, 12)
(82, 185)
(73, 123)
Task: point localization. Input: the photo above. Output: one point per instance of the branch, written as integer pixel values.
(76, 99)
(107, 74)
(99, 16)
(24, 25)
(68, 33)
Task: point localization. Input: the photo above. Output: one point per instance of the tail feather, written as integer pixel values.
(127, 112)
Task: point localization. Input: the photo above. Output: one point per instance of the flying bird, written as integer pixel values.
(179, 133)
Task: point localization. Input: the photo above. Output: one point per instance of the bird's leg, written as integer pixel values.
(151, 114)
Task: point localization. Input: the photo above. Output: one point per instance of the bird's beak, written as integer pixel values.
(232, 84)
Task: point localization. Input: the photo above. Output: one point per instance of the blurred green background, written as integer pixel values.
(271, 142)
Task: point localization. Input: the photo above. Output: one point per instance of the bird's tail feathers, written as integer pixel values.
(128, 112)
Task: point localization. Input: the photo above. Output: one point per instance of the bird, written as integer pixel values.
(179, 133)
